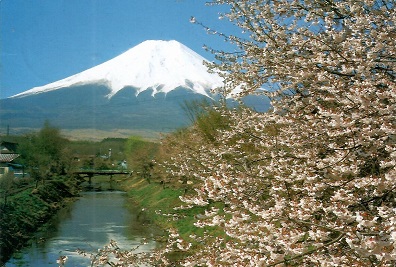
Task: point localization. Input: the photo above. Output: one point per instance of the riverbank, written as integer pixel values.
(26, 211)
(160, 206)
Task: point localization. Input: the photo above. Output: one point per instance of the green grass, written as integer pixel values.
(28, 210)
(153, 196)
(157, 201)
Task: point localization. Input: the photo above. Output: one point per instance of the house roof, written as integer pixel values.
(5, 158)
(7, 147)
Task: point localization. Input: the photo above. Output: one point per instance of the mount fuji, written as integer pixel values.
(143, 88)
(161, 66)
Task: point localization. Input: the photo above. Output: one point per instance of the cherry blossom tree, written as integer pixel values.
(311, 182)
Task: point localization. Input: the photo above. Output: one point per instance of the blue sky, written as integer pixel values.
(43, 41)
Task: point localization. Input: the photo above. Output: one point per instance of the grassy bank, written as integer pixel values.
(158, 204)
(28, 210)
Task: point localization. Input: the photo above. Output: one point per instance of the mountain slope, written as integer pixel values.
(143, 88)
(159, 65)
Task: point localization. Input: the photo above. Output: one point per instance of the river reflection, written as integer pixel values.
(88, 224)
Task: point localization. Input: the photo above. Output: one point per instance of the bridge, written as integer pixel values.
(91, 173)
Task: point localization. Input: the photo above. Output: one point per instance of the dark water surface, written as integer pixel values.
(87, 224)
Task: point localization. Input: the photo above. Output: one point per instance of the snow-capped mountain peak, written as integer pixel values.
(160, 65)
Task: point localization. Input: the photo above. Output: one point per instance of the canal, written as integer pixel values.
(87, 224)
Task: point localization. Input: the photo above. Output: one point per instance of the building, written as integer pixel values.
(7, 156)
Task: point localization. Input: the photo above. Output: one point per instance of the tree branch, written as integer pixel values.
(309, 251)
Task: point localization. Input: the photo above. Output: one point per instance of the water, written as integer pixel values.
(88, 224)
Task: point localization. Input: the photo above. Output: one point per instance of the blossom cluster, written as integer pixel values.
(312, 181)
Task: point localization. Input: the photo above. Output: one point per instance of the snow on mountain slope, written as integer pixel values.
(160, 65)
